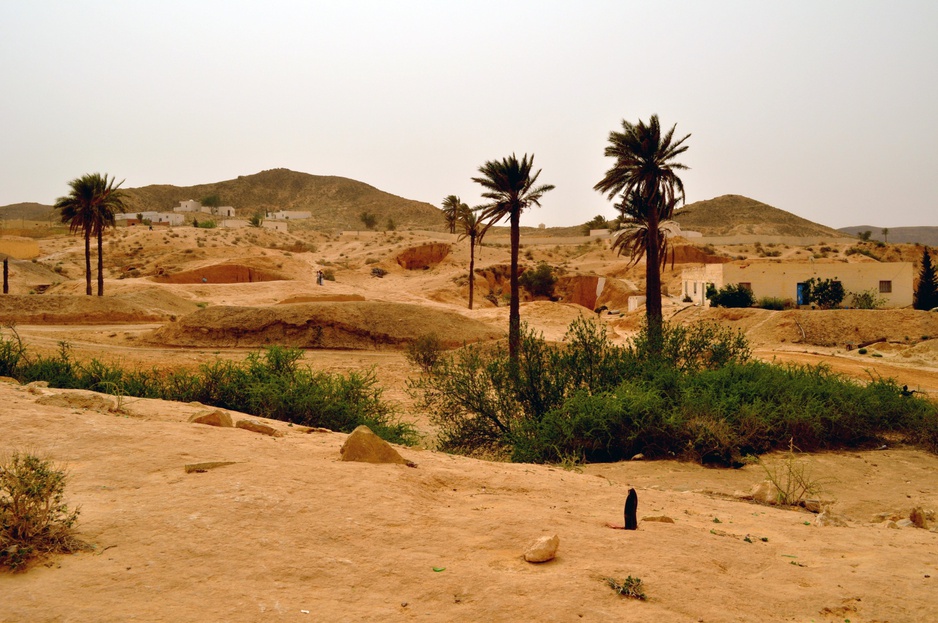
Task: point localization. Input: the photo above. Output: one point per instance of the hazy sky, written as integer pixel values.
(826, 109)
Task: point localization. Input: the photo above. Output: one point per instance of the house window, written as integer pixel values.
(746, 285)
(885, 287)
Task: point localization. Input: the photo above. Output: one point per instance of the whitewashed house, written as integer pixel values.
(189, 205)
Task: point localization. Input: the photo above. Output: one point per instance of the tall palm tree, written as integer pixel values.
(474, 229)
(645, 175)
(510, 186)
(451, 208)
(90, 208)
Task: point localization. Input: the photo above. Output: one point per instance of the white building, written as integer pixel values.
(289, 215)
(891, 281)
(223, 211)
(189, 205)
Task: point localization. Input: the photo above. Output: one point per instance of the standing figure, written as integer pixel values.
(631, 508)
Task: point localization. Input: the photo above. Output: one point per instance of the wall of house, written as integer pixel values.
(781, 279)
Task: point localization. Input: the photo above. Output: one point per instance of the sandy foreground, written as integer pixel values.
(290, 532)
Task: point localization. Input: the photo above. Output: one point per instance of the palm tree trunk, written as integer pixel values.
(653, 313)
(87, 262)
(514, 305)
(6, 277)
(472, 267)
(100, 262)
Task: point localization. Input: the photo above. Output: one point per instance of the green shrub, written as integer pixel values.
(774, 303)
(424, 352)
(825, 293)
(699, 397)
(538, 281)
(731, 295)
(868, 299)
(268, 383)
(34, 519)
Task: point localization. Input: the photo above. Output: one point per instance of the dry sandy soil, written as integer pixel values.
(287, 531)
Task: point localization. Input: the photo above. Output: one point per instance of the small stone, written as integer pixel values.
(765, 492)
(658, 518)
(917, 517)
(638, 457)
(258, 427)
(9, 379)
(812, 506)
(890, 524)
(217, 417)
(905, 523)
(542, 550)
(828, 519)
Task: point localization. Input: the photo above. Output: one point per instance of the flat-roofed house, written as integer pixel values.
(891, 281)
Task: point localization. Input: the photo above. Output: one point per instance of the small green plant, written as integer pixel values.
(425, 352)
(34, 519)
(629, 587)
(867, 299)
(773, 303)
(792, 479)
(862, 351)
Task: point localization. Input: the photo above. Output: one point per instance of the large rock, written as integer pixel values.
(216, 417)
(542, 550)
(366, 447)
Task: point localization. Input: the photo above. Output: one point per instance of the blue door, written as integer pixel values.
(801, 294)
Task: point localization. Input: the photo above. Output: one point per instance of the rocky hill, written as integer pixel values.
(911, 235)
(734, 215)
(335, 202)
(26, 211)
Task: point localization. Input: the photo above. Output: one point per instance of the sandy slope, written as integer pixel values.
(289, 528)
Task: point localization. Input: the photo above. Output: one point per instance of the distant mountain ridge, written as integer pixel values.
(926, 235)
(335, 202)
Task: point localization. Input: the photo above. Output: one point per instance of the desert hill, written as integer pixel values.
(335, 202)
(26, 211)
(911, 235)
(733, 215)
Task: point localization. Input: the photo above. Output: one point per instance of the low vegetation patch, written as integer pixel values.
(268, 383)
(699, 397)
(34, 519)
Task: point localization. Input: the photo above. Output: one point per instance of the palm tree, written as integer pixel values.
(90, 208)
(511, 187)
(634, 233)
(474, 229)
(645, 175)
(451, 208)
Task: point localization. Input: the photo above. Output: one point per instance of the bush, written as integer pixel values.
(825, 293)
(269, 383)
(538, 281)
(424, 352)
(868, 299)
(774, 303)
(699, 397)
(731, 295)
(34, 520)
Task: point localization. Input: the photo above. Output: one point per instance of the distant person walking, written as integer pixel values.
(319, 277)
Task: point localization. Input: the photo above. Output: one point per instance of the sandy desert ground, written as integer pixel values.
(287, 531)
